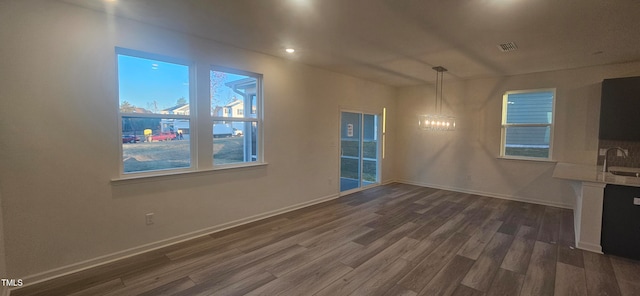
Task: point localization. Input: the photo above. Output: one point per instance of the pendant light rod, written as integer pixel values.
(439, 80)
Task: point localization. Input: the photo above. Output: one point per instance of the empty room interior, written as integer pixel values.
(308, 147)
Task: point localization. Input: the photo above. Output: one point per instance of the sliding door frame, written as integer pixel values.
(378, 134)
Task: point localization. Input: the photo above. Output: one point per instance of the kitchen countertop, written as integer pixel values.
(593, 173)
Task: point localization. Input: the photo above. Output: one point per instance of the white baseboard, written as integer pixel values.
(489, 194)
(589, 247)
(84, 265)
(387, 182)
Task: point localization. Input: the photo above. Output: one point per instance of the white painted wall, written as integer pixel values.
(467, 159)
(59, 148)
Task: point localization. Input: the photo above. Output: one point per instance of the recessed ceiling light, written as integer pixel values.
(290, 50)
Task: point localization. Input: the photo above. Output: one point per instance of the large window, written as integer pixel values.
(527, 124)
(157, 115)
(154, 112)
(235, 132)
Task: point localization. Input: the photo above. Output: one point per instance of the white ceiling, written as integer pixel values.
(396, 42)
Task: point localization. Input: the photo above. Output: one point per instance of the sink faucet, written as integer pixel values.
(605, 168)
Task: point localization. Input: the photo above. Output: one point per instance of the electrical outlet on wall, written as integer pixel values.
(149, 218)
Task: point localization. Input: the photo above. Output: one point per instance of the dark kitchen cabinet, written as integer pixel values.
(619, 109)
(621, 221)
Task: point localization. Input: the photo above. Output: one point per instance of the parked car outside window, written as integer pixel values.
(163, 136)
(130, 139)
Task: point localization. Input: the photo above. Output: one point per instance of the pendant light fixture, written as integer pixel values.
(437, 121)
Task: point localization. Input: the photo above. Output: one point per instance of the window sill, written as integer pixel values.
(527, 159)
(154, 177)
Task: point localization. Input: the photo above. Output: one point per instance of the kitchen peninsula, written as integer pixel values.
(589, 182)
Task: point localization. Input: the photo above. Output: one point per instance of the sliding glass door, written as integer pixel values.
(359, 155)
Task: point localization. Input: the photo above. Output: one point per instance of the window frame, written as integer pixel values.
(259, 98)
(505, 125)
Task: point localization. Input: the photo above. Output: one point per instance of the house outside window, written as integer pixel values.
(527, 124)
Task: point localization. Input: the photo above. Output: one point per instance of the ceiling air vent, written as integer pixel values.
(508, 46)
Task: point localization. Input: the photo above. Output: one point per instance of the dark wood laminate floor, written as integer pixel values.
(390, 240)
